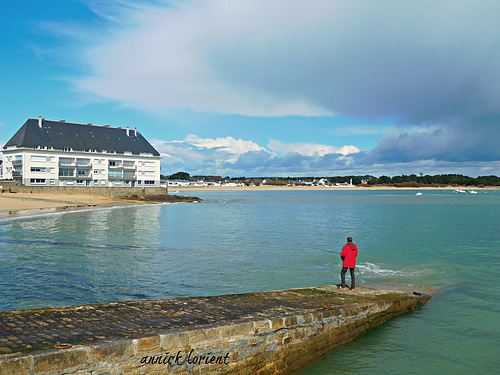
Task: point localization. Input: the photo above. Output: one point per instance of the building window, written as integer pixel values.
(147, 182)
(81, 172)
(139, 182)
(37, 180)
(67, 149)
(79, 182)
(66, 172)
(38, 158)
(38, 169)
(112, 163)
(115, 173)
(52, 181)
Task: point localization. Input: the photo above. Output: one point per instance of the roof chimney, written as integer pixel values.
(128, 132)
(135, 132)
(40, 119)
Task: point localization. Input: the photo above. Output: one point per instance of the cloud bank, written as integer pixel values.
(434, 65)
(231, 157)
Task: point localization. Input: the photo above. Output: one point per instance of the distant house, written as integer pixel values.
(58, 153)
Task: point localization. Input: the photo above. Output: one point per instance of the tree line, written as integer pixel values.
(412, 180)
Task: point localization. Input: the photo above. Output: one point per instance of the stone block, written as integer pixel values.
(262, 326)
(238, 329)
(174, 340)
(131, 369)
(111, 351)
(290, 321)
(304, 319)
(204, 335)
(59, 360)
(148, 345)
(18, 366)
(277, 323)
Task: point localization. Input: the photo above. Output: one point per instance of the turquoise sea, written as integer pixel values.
(235, 242)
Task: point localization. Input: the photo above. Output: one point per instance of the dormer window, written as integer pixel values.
(86, 150)
(67, 149)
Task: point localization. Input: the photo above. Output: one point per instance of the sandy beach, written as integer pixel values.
(19, 204)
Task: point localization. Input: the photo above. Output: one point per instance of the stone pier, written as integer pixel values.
(273, 332)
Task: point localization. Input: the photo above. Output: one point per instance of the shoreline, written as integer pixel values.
(174, 189)
(16, 205)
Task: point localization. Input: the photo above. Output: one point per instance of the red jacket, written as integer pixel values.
(349, 254)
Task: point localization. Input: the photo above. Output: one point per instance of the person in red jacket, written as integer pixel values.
(348, 255)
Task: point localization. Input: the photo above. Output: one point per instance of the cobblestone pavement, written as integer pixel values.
(28, 330)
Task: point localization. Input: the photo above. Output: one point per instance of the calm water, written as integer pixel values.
(252, 241)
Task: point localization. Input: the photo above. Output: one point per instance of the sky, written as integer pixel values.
(260, 88)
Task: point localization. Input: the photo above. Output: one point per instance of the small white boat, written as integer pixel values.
(473, 192)
(418, 194)
(460, 191)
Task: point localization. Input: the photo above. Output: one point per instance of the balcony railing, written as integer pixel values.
(129, 166)
(17, 162)
(17, 174)
(86, 175)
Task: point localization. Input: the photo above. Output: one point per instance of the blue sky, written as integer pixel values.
(266, 88)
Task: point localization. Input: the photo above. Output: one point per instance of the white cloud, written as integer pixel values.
(311, 149)
(418, 60)
(174, 59)
(203, 155)
(225, 144)
(228, 156)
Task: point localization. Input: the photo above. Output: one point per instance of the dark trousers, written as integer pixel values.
(342, 276)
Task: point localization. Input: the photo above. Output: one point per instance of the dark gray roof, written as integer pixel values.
(58, 134)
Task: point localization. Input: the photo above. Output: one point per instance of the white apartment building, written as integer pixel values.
(58, 153)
